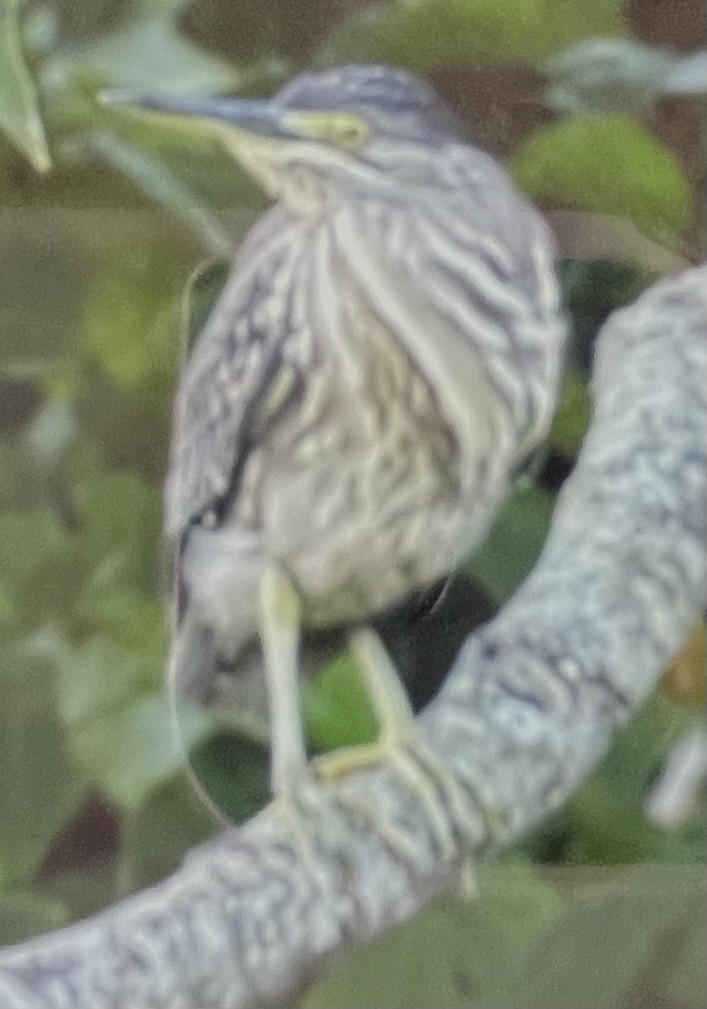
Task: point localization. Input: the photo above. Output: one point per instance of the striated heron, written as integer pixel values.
(385, 352)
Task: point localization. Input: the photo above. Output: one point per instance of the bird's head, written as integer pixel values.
(325, 130)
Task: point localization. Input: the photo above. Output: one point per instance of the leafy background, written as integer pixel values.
(602, 906)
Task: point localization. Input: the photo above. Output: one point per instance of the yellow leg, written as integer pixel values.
(296, 793)
(400, 744)
(390, 702)
(280, 632)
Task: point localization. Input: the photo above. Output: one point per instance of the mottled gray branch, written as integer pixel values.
(529, 707)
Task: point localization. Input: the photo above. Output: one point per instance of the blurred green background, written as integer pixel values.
(602, 906)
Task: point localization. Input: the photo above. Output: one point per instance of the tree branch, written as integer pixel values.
(528, 709)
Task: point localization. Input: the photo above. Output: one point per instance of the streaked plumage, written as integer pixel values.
(386, 350)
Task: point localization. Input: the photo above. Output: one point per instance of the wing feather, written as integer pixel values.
(226, 380)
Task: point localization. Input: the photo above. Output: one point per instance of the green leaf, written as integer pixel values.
(606, 164)
(229, 777)
(337, 711)
(509, 553)
(40, 785)
(182, 164)
(42, 274)
(452, 954)
(161, 831)
(608, 941)
(84, 892)
(615, 75)
(200, 295)
(24, 913)
(130, 618)
(607, 819)
(39, 569)
(588, 938)
(491, 938)
(158, 180)
(96, 677)
(683, 980)
(572, 416)
(147, 52)
(120, 534)
(408, 967)
(129, 317)
(129, 428)
(19, 485)
(430, 33)
(19, 113)
(132, 749)
(592, 289)
(116, 710)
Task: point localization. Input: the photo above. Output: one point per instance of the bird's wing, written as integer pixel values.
(463, 274)
(235, 372)
(489, 256)
(493, 216)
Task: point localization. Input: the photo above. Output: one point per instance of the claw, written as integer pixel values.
(296, 788)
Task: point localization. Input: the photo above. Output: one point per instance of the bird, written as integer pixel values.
(386, 351)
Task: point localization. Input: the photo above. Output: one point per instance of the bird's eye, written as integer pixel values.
(342, 130)
(350, 133)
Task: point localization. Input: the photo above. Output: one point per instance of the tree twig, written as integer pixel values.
(529, 707)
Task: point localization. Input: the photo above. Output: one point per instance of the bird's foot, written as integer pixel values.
(403, 747)
(320, 820)
(423, 771)
(299, 802)
(340, 763)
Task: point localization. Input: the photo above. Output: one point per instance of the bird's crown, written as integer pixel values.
(359, 85)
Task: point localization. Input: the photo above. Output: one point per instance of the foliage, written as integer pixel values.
(94, 260)
(635, 176)
(520, 941)
(19, 115)
(433, 32)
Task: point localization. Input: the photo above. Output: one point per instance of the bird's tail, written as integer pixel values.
(190, 675)
(191, 669)
(215, 620)
(227, 679)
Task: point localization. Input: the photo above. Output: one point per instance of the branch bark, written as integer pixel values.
(529, 707)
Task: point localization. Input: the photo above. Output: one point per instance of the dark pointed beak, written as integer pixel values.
(253, 115)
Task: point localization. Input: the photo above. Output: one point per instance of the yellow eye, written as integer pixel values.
(349, 132)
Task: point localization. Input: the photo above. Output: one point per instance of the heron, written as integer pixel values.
(385, 353)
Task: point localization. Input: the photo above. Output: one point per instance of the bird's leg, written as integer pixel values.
(390, 702)
(400, 743)
(280, 632)
(295, 789)
(291, 781)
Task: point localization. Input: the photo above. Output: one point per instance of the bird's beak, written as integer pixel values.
(250, 115)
